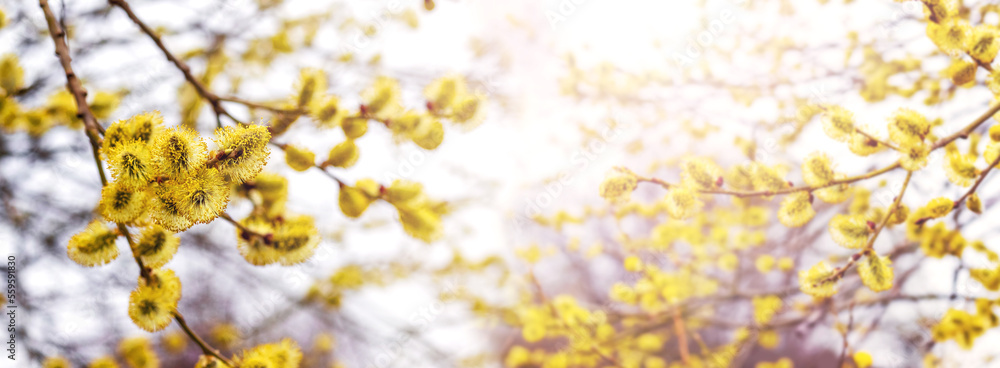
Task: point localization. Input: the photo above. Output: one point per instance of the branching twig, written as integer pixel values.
(961, 134)
(180, 64)
(982, 177)
(871, 241)
(94, 131)
(199, 87)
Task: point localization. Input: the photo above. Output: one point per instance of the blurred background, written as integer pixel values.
(575, 88)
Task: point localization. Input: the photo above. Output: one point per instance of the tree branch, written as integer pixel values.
(75, 87)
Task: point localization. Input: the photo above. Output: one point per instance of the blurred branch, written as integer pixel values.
(961, 134)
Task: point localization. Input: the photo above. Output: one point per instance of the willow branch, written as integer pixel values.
(960, 134)
(982, 177)
(143, 270)
(94, 131)
(75, 87)
(964, 132)
(871, 241)
(766, 193)
(207, 349)
(879, 141)
(847, 332)
(257, 105)
(212, 98)
(180, 64)
(682, 344)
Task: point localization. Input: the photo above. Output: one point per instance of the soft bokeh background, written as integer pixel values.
(529, 57)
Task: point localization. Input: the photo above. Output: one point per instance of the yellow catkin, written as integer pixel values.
(617, 188)
(974, 204)
(156, 246)
(682, 203)
(838, 123)
(850, 231)
(939, 207)
(55, 362)
(118, 205)
(344, 154)
(961, 169)
(876, 272)
(469, 111)
(428, 134)
(177, 152)
(796, 209)
(94, 246)
(421, 222)
(151, 306)
(245, 150)
(131, 166)
(354, 201)
(283, 354)
(817, 281)
(700, 173)
(138, 352)
(310, 87)
(984, 43)
(354, 127)
(444, 93)
(817, 169)
(202, 196)
(327, 112)
(299, 158)
(382, 99)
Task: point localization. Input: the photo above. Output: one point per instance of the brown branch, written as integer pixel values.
(982, 177)
(765, 193)
(245, 231)
(94, 131)
(180, 64)
(257, 105)
(871, 241)
(212, 98)
(879, 141)
(847, 331)
(75, 87)
(682, 343)
(961, 134)
(207, 349)
(143, 270)
(964, 132)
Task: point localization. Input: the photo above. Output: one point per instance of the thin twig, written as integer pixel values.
(75, 87)
(257, 105)
(180, 64)
(207, 349)
(199, 87)
(879, 141)
(961, 134)
(682, 343)
(871, 241)
(767, 193)
(143, 270)
(847, 331)
(243, 229)
(94, 131)
(982, 177)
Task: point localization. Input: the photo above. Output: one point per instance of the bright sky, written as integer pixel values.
(522, 143)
